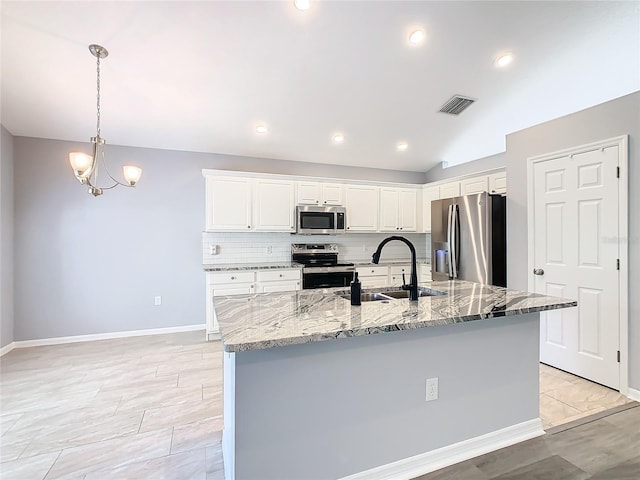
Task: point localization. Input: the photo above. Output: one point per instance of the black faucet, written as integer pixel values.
(413, 286)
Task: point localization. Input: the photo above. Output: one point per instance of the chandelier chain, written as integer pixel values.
(98, 95)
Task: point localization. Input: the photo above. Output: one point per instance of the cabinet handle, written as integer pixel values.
(281, 275)
(317, 201)
(233, 278)
(248, 226)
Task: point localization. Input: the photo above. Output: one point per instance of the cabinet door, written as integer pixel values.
(470, 186)
(407, 208)
(498, 182)
(228, 205)
(450, 190)
(389, 214)
(332, 193)
(274, 207)
(429, 194)
(362, 206)
(308, 193)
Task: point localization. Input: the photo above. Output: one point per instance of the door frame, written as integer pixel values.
(622, 142)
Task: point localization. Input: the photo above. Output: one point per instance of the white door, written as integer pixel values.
(576, 254)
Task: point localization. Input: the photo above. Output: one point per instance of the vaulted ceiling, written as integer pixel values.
(201, 76)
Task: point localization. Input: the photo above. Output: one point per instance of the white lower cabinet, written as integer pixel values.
(373, 276)
(396, 272)
(424, 272)
(245, 282)
(278, 281)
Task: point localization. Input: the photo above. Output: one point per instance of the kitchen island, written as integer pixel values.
(315, 388)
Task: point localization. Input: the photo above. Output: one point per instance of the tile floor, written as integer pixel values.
(151, 408)
(565, 397)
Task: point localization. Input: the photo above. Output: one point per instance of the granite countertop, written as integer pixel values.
(261, 321)
(226, 267)
(420, 261)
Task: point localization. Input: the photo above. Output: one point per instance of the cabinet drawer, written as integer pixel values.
(278, 275)
(400, 269)
(371, 271)
(231, 277)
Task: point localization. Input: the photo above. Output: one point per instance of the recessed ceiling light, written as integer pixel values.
(338, 138)
(402, 146)
(504, 59)
(417, 37)
(302, 4)
(262, 129)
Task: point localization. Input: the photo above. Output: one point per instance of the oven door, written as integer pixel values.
(326, 279)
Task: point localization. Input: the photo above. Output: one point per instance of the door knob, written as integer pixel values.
(538, 271)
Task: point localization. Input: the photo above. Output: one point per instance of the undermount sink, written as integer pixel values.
(422, 292)
(387, 295)
(366, 296)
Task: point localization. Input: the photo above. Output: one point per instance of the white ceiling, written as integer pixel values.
(200, 76)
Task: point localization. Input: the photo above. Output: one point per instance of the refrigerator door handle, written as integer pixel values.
(451, 241)
(453, 214)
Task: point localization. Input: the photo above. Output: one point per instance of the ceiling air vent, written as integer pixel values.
(456, 104)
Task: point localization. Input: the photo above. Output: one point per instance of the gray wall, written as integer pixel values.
(87, 265)
(360, 401)
(617, 117)
(482, 164)
(6, 239)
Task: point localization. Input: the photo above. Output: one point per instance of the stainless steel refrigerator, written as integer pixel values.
(468, 239)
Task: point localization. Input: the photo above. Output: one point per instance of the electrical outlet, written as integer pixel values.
(269, 250)
(213, 249)
(364, 247)
(432, 389)
(157, 301)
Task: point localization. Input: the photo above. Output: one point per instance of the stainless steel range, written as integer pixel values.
(321, 268)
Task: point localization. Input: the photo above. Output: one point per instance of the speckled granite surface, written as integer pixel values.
(249, 266)
(260, 321)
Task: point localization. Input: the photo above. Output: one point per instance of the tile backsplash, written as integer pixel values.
(276, 247)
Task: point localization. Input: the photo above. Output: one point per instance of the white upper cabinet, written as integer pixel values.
(398, 209)
(273, 208)
(361, 203)
(429, 194)
(317, 193)
(408, 207)
(498, 182)
(389, 215)
(450, 190)
(332, 193)
(228, 205)
(470, 186)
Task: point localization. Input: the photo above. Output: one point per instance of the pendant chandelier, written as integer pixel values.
(85, 167)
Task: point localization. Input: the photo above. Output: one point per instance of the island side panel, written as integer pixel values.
(330, 409)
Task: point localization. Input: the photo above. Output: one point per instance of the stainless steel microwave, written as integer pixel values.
(313, 220)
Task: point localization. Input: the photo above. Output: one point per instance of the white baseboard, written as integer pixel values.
(7, 348)
(106, 336)
(427, 462)
(634, 394)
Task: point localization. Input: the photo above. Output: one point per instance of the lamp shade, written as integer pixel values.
(81, 163)
(131, 174)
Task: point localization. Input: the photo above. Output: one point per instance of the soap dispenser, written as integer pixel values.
(356, 290)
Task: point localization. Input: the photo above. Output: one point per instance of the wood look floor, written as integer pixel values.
(151, 408)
